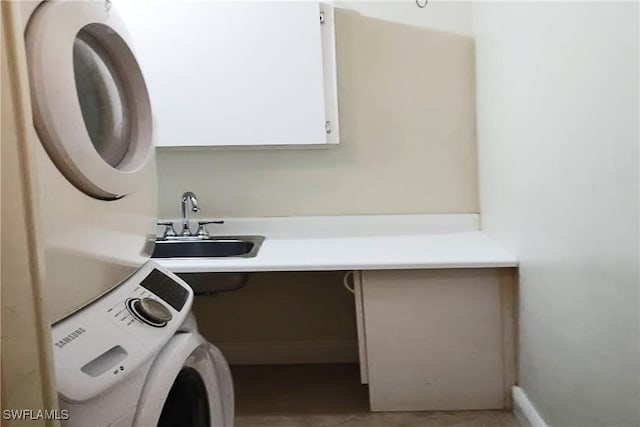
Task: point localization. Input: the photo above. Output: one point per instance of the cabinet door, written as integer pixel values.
(434, 339)
(237, 73)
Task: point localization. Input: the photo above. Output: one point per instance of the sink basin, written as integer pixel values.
(212, 247)
(213, 283)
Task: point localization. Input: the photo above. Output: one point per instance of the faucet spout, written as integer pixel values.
(187, 197)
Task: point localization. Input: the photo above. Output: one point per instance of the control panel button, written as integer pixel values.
(149, 311)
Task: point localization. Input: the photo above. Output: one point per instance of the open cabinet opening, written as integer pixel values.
(299, 390)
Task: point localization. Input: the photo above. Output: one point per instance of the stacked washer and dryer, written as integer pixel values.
(126, 347)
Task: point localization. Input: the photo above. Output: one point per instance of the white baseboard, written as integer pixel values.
(525, 411)
(283, 353)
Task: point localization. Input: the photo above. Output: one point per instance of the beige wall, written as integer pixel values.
(449, 16)
(558, 140)
(27, 372)
(269, 309)
(406, 96)
(282, 317)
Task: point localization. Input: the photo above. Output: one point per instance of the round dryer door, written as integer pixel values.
(189, 385)
(91, 108)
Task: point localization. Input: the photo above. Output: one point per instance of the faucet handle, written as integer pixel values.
(202, 227)
(169, 231)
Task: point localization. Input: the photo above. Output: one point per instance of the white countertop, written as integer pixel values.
(355, 243)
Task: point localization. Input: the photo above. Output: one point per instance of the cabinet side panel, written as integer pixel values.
(509, 298)
(362, 334)
(434, 339)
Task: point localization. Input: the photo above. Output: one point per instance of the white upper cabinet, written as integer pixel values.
(237, 73)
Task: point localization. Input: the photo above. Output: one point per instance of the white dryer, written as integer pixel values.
(134, 358)
(88, 128)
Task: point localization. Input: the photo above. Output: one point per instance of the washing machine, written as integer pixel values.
(88, 127)
(134, 358)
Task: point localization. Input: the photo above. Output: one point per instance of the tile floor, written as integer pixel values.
(328, 396)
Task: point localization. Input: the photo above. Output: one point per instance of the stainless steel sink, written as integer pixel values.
(212, 283)
(209, 247)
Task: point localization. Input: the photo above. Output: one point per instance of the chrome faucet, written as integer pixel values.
(184, 201)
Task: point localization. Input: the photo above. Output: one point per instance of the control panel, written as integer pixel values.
(111, 337)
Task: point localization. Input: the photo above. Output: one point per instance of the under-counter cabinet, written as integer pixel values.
(237, 73)
(437, 339)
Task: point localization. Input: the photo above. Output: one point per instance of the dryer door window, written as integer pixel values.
(91, 108)
(187, 404)
(102, 99)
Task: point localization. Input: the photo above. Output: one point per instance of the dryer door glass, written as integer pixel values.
(91, 107)
(102, 101)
